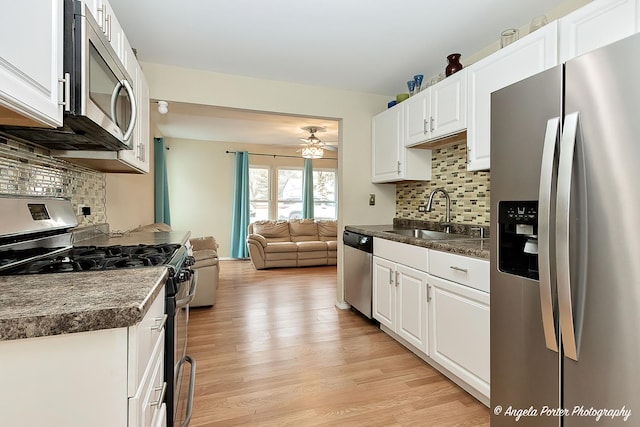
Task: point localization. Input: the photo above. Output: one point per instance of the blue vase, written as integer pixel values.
(418, 80)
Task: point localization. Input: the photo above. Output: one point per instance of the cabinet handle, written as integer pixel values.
(428, 293)
(463, 270)
(160, 322)
(66, 90)
(431, 124)
(163, 391)
(107, 22)
(398, 167)
(424, 126)
(391, 277)
(397, 280)
(102, 11)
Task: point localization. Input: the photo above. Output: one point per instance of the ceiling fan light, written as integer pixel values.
(312, 151)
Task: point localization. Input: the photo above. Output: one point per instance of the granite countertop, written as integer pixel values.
(473, 246)
(37, 305)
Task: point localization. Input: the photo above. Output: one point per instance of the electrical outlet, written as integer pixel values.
(79, 211)
(422, 208)
(86, 210)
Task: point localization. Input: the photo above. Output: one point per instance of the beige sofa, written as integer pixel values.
(206, 267)
(207, 270)
(294, 243)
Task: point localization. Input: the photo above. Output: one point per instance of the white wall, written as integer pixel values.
(354, 109)
(207, 207)
(130, 199)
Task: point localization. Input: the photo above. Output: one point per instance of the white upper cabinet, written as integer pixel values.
(449, 105)
(138, 156)
(31, 63)
(106, 18)
(438, 111)
(417, 118)
(391, 161)
(597, 24)
(530, 55)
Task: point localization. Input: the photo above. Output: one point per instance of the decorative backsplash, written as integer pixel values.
(30, 171)
(469, 191)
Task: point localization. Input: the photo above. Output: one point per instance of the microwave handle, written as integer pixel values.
(114, 100)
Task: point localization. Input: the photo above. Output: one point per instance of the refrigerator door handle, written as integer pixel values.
(565, 172)
(549, 155)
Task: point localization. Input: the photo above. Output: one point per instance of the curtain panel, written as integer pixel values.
(161, 185)
(241, 207)
(307, 189)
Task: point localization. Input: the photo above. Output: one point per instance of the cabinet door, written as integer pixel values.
(449, 105)
(595, 25)
(386, 134)
(528, 56)
(31, 62)
(411, 307)
(416, 118)
(459, 331)
(384, 292)
(138, 156)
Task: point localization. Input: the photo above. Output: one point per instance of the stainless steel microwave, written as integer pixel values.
(99, 99)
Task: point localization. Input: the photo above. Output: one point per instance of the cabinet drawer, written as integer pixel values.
(472, 272)
(413, 256)
(145, 405)
(143, 338)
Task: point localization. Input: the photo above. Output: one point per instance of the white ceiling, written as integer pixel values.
(372, 46)
(209, 123)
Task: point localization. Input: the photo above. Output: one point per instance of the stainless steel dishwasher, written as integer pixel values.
(358, 254)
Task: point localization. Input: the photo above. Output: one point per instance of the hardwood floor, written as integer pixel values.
(276, 351)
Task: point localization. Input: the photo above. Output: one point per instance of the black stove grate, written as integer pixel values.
(93, 258)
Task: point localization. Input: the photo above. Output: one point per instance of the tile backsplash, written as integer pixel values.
(30, 171)
(469, 191)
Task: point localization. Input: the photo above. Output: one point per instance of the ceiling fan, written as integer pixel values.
(313, 147)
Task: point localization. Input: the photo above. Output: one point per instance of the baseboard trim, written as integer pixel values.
(342, 305)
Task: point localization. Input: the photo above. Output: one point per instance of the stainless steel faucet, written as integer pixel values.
(447, 218)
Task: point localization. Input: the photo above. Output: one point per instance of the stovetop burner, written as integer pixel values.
(93, 258)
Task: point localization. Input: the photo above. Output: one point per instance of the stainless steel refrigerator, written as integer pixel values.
(565, 251)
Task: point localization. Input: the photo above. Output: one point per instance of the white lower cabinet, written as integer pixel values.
(400, 301)
(459, 331)
(103, 378)
(437, 303)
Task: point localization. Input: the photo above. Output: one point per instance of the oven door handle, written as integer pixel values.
(192, 386)
(192, 293)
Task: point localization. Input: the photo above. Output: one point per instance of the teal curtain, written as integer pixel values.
(240, 215)
(307, 189)
(161, 185)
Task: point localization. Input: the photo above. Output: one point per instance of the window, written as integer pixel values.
(324, 194)
(259, 191)
(287, 192)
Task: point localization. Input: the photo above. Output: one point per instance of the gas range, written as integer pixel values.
(36, 238)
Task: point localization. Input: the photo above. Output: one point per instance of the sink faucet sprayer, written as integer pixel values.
(447, 219)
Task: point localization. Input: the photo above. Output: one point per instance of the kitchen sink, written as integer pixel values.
(427, 234)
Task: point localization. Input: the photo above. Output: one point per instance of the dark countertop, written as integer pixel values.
(473, 246)
(37, 305)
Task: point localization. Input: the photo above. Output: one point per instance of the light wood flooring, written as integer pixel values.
(275, 351)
